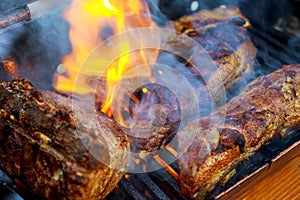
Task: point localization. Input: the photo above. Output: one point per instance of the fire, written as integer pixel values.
(10, 66)
(92, 22)
(145, 90)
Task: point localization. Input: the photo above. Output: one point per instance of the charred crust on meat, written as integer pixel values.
(230, 139)
(268, 106)
(221, 40)
(291, 74)
(40, 145)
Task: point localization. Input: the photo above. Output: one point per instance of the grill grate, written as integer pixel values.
(161, 185)
(273, 52)
(7, 5)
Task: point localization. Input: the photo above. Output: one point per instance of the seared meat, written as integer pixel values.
(155, 117)
(41, 145)
(227, 55)
(222, 34)
(270, 105)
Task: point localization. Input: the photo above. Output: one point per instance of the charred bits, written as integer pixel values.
(230, 139)
(222, 40)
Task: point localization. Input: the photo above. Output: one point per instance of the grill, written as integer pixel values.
(273, 52)
(275, 48)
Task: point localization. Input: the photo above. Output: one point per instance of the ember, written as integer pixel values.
(10, 66)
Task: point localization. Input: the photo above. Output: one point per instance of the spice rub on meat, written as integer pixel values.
(268, 106)
(44, 146)
(222, 34)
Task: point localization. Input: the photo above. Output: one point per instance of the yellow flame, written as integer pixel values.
(114, 75)
(87, 19)
(109, 5)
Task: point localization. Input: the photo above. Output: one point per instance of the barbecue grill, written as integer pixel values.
(277, 38)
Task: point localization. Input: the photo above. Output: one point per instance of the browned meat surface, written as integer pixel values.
(156, 119)
(227, 55)
(270, 105)
(40, 145)
(222, 33)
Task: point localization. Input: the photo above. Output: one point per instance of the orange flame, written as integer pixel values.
(89, 19)
(10, 65)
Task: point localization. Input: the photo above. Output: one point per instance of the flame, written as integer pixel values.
(92, 22)
(145, 90)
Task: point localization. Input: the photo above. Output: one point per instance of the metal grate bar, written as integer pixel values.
(166, 178)
(270, 37)
(130, 190)
(6, 5)
(270, 51)
(154, 189)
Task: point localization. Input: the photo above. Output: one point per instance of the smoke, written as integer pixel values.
(39, 44)
(35, 46)
(164, 10)
(156, 13)
(7, 59)
(44, 7)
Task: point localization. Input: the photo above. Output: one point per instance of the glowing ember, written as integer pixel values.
(171, 150)
(11, 67)
(92, 22)
(166, 166)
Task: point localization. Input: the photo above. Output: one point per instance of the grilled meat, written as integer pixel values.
(227, 55)
(156, 118)
(222, 34)
(270, 105)
(41, 145)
